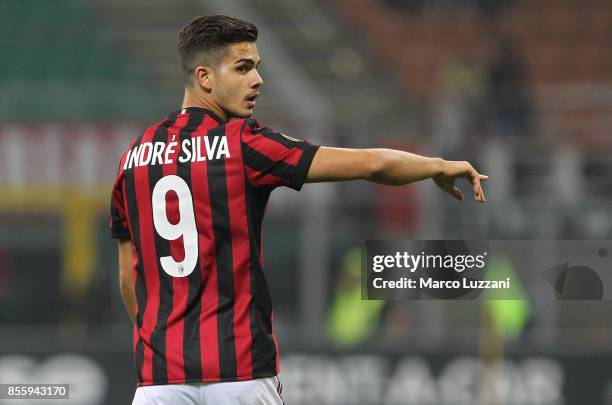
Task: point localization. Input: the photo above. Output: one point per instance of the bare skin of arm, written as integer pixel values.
(383, 166)
(393, 168)
(126, 279)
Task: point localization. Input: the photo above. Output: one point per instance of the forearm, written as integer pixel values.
(126, 279)
(395, 168)
(128, 296)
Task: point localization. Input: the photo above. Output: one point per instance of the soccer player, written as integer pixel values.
(187, 208)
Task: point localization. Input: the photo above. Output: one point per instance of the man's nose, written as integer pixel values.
(258, 80)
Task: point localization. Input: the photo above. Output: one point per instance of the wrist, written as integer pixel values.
(438, 166)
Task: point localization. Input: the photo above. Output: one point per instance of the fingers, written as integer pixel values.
(455, 192)
(478, 192)
(464, 169)
(475, 178)
(480, 197)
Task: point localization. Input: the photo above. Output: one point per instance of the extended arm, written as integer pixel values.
(126, 279)
(392, 167)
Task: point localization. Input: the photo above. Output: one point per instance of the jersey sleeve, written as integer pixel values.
(118, 221)
(274, 159)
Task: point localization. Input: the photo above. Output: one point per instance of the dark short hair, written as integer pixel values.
(201, 38)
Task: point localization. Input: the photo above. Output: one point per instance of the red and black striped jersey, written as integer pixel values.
(191, 193)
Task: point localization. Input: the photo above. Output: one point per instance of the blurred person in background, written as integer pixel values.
(351, 320)
(460, 99)
(509, 98)
(187, 208)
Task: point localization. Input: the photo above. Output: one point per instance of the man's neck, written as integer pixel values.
(203, 101)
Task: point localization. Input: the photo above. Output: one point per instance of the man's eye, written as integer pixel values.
(242, 69)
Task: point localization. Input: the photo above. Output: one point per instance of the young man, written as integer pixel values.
(187, 208)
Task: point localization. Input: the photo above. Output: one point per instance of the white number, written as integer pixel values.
(186, 227)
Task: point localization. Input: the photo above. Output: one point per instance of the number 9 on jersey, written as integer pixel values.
(185, 227)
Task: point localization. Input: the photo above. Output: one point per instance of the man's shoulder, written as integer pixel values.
(238, 126)
(235, 126)
(148, 130)
(137, 139)
(243, 122)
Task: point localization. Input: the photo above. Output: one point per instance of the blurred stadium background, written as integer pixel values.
(521, 88)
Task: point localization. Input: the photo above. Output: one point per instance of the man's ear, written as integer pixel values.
(203, 76)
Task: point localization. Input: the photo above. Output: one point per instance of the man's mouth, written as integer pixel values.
(251, 99)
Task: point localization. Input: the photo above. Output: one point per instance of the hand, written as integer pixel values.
(452, 170)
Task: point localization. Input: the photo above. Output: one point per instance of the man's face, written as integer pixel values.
(236, 80)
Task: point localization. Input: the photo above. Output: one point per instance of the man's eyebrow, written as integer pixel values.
(248, 61)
